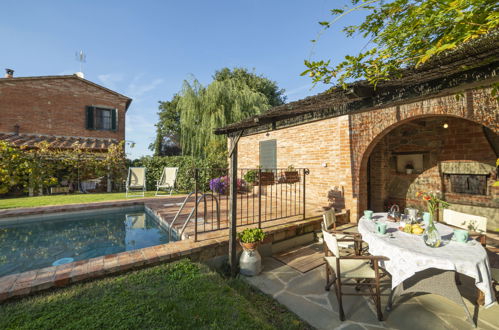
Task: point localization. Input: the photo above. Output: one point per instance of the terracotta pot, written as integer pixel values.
(291, 176)
(249, 246)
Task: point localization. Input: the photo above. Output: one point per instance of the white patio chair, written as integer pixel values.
(476, 224)
(167, 179)
(136, 182)
(329, 225)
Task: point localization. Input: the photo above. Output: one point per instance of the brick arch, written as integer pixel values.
(367, 129)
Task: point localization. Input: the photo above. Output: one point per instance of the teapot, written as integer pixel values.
(394, 213)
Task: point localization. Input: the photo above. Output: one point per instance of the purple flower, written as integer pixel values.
(221, 185)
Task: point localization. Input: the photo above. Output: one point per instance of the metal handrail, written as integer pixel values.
(178, 213)
(203, 196)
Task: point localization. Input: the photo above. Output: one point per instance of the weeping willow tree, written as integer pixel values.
(221, 103)
(188, 120)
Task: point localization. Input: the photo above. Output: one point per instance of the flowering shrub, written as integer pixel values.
(221, 185)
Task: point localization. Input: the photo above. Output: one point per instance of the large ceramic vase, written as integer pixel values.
(250, 262)
(431, 236)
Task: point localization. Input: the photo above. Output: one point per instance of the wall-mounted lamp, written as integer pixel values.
(445, 125)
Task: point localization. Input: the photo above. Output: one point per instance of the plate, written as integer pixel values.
(401, 229)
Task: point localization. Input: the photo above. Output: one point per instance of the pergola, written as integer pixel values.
(474, 64)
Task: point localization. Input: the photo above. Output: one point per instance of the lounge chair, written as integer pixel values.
(167, 179)
(136, 182)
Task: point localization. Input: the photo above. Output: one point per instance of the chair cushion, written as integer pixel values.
(352, 268)
(345, 245)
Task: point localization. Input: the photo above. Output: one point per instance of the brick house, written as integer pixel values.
(62, 110)
(440, 118)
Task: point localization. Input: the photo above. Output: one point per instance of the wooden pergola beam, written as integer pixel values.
(233, 205)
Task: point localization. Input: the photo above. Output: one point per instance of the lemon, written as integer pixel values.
(417, 231)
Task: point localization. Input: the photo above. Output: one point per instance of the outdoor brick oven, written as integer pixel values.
(440, 116)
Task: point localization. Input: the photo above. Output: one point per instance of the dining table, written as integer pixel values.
(416, 267)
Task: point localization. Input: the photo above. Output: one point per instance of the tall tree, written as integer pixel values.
(167, 142)
(188, 120)
(257, 83)
(403, 33)
(221, 103)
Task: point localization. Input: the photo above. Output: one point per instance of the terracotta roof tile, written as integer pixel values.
(58, 142)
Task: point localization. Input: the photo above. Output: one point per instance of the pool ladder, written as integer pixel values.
(201, 198)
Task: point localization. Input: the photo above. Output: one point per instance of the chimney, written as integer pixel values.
(9, 73)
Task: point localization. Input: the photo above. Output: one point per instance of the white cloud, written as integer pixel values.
(110, 80)
(139, 123)
(137, 89)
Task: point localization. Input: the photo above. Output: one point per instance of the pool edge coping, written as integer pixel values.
(23, 284)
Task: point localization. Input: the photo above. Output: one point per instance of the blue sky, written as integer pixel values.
(146, 49)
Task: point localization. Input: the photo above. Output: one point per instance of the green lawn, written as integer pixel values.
(181, 295)
(8, 203)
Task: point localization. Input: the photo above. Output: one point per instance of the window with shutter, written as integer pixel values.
(101, 118)
(114, 119)
(90, 118)
(268, 154)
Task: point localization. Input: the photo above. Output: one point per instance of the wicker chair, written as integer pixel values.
(340, 269)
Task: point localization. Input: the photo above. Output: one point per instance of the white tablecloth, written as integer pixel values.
(408, 254)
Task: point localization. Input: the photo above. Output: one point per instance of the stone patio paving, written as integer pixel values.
(304, 294)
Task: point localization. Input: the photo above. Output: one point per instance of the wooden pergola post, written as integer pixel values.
(233, 205)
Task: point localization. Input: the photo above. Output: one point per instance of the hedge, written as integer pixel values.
(208, 169)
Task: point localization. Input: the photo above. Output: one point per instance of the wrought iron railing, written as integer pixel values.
(262, 195)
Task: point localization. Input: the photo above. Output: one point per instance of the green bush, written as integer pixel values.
(208, 169)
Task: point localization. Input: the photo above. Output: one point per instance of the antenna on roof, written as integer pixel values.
(82, 58)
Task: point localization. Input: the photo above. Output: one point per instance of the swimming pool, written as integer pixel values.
(60, 238)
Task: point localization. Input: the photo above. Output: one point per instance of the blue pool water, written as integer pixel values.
(44, 243)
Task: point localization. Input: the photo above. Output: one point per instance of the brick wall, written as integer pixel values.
(310, 145)
(368, 128)
(345, 144)
(462, 141)
(55, 106)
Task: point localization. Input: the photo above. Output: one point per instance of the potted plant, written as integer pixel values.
(250, 237)
(250, 262)
(409, 168)
(291, 175)
(251, 177)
